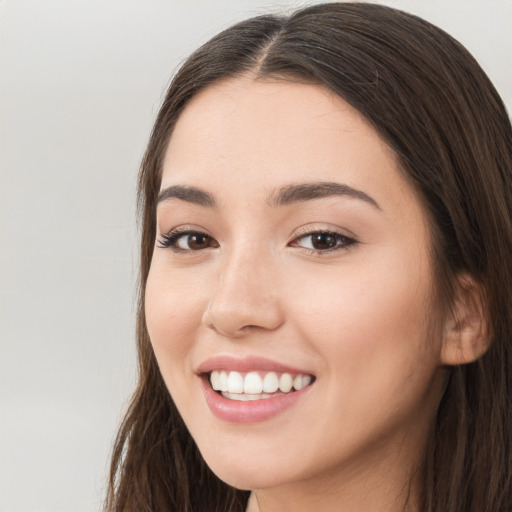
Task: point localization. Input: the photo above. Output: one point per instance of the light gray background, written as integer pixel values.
(80, 83)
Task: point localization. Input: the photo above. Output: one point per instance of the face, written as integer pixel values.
(292, 269)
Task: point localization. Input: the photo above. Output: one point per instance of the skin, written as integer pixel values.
(358, 318)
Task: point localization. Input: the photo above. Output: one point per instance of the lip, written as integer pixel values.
(247, 364)
(235, 411)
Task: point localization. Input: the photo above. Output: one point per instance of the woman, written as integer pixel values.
(324, 318)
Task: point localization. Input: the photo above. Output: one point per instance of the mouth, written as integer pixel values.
(252, 389)
(256, 385)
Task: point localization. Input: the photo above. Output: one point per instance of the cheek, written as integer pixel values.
(173, 310)
(370, 327)
(368, 320)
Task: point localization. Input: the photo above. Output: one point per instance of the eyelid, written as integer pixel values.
(348, 241)
(169, 239)
(164, 239)
(309, 229)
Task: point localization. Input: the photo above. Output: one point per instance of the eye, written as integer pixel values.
(187, 241)
(323, 241)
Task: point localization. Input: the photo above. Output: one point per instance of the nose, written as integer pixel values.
(245, 298)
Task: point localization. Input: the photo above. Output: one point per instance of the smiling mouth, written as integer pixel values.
(257, 385)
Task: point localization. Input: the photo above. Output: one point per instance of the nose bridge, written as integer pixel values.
(246, 293)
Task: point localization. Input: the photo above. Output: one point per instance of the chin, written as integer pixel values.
(247, 479)
(248, 475)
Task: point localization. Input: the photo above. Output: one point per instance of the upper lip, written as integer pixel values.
(247, 364)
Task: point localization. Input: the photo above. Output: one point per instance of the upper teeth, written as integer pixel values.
(254, 383)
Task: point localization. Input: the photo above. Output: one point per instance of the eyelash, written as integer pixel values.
(342, 242)
(171, 239)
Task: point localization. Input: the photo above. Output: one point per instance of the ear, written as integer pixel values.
(466, 332)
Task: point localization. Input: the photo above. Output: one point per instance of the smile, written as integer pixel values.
(251, 389)
(256, 385)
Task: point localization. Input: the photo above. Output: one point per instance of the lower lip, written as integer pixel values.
(237, 411)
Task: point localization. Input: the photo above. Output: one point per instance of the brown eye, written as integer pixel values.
(195, 241)
(324, 241)
(188, 241)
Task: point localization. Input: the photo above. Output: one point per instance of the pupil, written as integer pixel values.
(197, 241)
(323, 241)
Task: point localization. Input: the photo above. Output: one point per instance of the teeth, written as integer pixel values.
(253, 387)
(223, 381)
(301, 381)
(235, 383)
(215, 380)
(253, 384)
(285, 382)
(306, 380)
(242, 397)
(270, 383)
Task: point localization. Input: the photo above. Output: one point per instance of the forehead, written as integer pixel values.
(244, 134)
(246, 112)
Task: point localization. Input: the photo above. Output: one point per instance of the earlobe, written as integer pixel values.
(467, 334)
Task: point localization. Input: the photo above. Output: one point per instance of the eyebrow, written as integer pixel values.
(284, 196)
(190, 194)
(309, 191)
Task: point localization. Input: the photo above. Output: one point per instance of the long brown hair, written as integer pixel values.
(435, 107)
